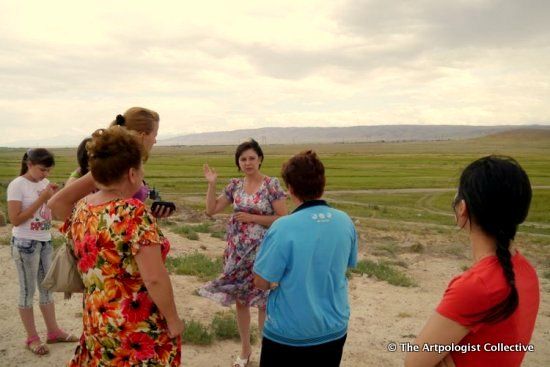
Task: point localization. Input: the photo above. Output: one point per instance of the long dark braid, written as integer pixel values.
(504, 309)
(497, 193)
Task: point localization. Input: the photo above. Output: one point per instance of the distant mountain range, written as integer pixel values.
(301, 135)
(353, 134)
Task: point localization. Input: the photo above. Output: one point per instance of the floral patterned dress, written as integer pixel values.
(121, 324)
(236, 283)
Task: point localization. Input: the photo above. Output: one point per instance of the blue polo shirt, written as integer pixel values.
(308, 253)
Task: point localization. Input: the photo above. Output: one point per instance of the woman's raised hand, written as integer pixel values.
(210, 174)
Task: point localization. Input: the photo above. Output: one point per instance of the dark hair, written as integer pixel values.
(497, 193)
(112, 152)
(36, 156)
(120, 120)
(305, 174)
(243, 147)
(82, 156)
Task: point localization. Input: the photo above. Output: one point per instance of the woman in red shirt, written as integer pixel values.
(487, 314)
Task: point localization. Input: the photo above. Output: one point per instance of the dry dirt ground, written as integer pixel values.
(381, 313)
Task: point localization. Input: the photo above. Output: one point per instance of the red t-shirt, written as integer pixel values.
(480, 288)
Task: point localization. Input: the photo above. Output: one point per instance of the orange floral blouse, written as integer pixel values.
(121, 324)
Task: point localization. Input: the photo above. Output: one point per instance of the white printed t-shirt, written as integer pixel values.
(27, 192)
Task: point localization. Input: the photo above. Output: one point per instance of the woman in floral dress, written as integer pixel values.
(257, 201)
(129, 317)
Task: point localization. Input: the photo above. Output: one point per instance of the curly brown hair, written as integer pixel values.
(112, 152)
(305, 174)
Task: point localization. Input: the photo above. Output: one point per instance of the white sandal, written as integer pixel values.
(240, 362)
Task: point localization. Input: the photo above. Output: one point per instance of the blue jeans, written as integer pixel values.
(32, 260)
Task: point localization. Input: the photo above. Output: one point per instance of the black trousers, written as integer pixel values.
(322, 355)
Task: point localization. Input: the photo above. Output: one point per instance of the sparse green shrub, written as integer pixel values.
(417, 248)
(349, 273)
(187, 231)
(193, 236)
(58, 241)
(384, 271)
(218, 234)
(167, 222)
(224, 325)
(197, 333)
(390, 248)
(5, 240)
(202, 228)
(399, 263)
(195, 264)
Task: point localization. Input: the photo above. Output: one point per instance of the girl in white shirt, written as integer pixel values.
(31, 244)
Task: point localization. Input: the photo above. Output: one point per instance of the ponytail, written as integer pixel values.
(24, 167)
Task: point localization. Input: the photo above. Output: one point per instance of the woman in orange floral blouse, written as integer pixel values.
(130, 316)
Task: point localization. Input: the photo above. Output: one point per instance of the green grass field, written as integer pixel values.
(394, 191)
(354, 173)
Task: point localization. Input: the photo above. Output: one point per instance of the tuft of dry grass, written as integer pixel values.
(404, 315)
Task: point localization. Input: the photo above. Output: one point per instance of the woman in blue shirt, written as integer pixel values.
(303, 259)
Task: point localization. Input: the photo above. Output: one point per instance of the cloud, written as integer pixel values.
(450, 24)
(69, 68)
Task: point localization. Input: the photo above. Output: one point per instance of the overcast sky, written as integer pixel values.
(68, 67)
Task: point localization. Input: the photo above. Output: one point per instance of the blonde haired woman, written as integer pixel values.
(145, 123)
